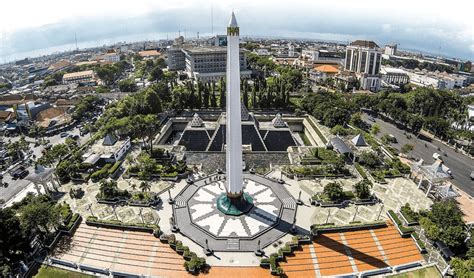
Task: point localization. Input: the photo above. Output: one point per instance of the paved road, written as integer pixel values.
(15, 186)
(460, 165)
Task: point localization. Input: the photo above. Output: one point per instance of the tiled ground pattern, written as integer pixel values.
(204, 211)
(136, 253)
(124, 251)
(363, 250)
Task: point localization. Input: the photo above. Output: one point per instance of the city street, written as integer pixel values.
(15, 186)
(459, 164)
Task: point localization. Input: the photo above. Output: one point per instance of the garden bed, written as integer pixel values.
(319, 199)
(331, 227)
(408, 215)
(72, 225)
(360, 170)
(404, 231)
(419, 244)
(115, 224)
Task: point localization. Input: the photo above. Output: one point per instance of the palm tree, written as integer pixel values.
(145, 186)
(134, 186)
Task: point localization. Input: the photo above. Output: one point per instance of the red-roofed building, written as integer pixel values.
(323, 72)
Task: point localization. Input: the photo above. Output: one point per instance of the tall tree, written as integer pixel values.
(245, 97)
(213, 95)
(254, 95)
(199, 92)
(14, 243)
(145, 186)
(205, 97)
(222, 100)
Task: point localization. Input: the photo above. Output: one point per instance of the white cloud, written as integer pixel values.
(449, 21)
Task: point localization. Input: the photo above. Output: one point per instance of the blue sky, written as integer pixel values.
(439, 27)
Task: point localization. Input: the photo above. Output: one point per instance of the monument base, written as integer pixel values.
(234, 205)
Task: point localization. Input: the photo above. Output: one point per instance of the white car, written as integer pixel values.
(437, 156)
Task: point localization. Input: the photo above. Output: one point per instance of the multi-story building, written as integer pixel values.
(209, 63)
(111, 57)
(29, 110)
(175, 58)
(80, 77)
(437, 80)
(322, 56)
(390, 49)
(394, 76)
(364, 58)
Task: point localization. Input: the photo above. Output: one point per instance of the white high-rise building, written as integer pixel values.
(364, 58)
(233, 114)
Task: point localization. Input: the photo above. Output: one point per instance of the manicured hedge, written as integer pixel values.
(418, 240)
(102, 173)
(399, 223)
(360, 170)
(114, 167)
(95, 220)
(409, 214)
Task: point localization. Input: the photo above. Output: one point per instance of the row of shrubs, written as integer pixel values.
(420, 243)
(315, 228)
(404, 230)
(106, 171)
(103, 173)
(193, 263)
(290, 246)
(360, 170)
(92, 220)
(410, 216)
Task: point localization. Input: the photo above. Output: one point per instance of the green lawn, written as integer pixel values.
(427, 272)
(53, 272)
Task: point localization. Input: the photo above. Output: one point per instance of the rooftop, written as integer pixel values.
(147, 53)
(197, 50)
(78, 74)
(363, 43)
(327, 69)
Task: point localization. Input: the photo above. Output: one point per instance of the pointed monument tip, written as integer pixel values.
(233, 21)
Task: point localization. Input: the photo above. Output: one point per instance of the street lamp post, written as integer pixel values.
(380, 212)
(170, 199)
(329, 214)
(355, 214)
(141, 215)
(115, 212)
(90, 209)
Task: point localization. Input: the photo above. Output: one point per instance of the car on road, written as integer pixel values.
(437, 156)
(20, 173)
(72, 136)
(372, 119)
(392, 138)
(472, 175)
(63, 134)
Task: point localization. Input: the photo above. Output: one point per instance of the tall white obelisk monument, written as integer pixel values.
(233, 114)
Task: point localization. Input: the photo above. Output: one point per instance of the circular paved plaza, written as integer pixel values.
(198, 217)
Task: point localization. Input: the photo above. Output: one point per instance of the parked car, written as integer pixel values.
(63, 134)
(20, 173)
(75, 137)
(392, 138)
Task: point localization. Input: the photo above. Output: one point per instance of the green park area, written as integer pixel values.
(53, 272)
(427, 272)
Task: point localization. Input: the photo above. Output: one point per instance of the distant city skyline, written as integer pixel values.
(439, 28)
